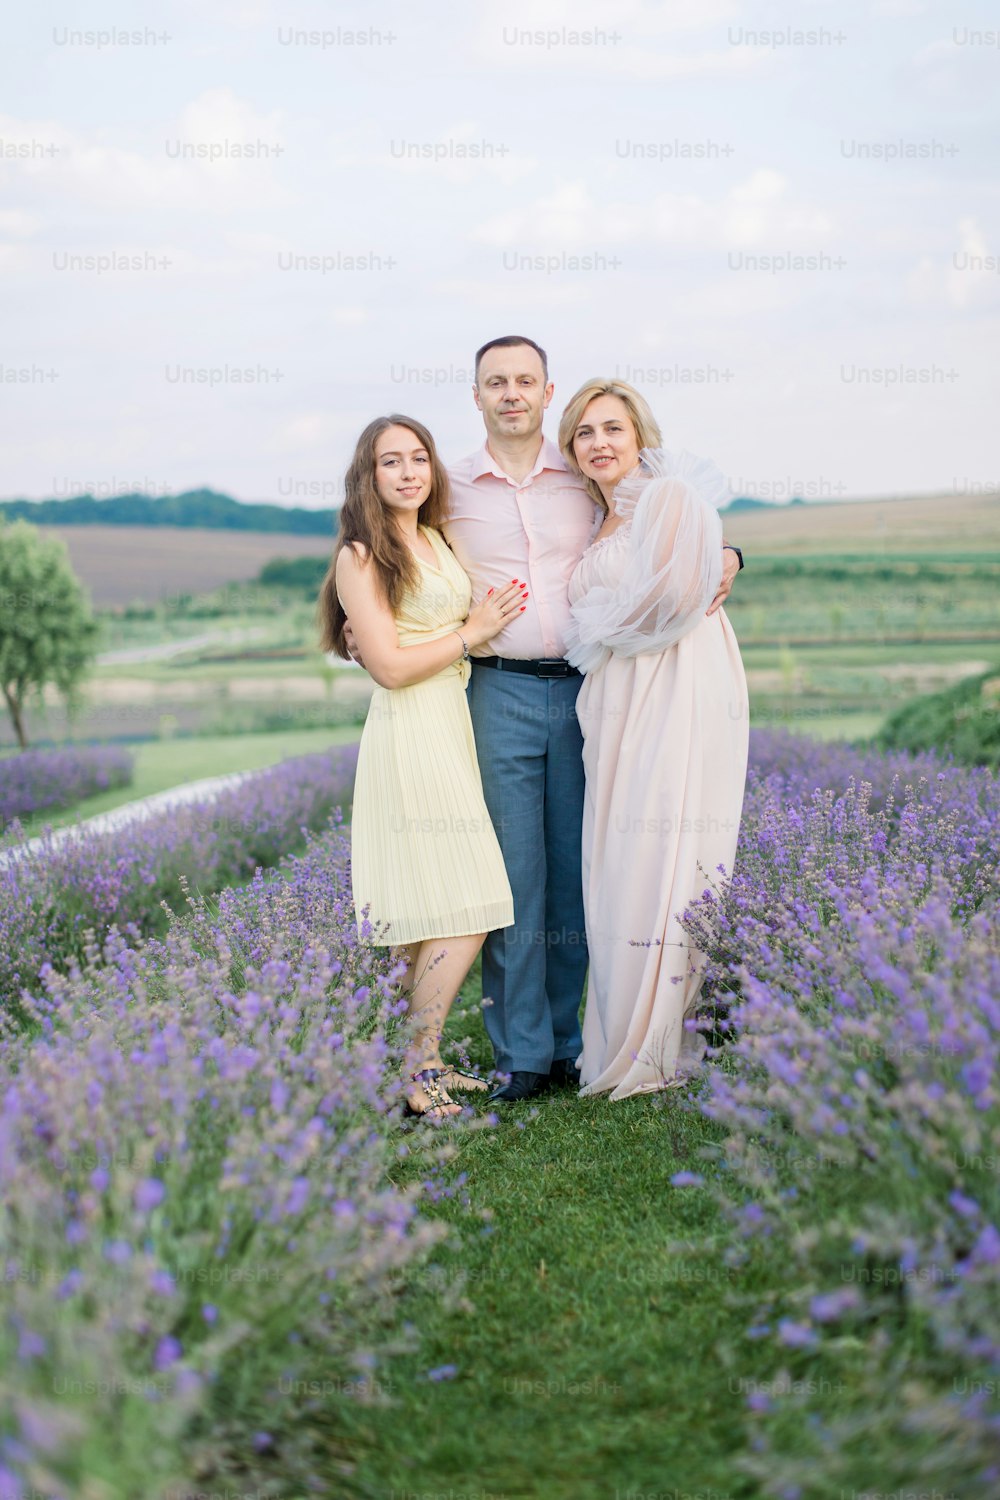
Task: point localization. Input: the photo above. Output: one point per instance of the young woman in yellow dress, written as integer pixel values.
(427, 873)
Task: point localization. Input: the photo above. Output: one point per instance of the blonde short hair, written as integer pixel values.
(647, 428)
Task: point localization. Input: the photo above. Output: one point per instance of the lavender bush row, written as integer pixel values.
(856, 959)
(200, 1237)
(805, 765)
(39, 779)
(49, 900)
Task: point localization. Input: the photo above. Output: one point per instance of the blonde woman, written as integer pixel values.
(425, 862)
(664, 716)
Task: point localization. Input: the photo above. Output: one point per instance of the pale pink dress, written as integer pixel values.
(665, 722)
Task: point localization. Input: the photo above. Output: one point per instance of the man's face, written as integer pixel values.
(511, 392)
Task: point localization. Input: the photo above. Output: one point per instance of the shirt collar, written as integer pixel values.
(549, 457)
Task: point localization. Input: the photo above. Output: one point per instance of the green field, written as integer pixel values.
(841, 599)
(844, 613)
(831, 645)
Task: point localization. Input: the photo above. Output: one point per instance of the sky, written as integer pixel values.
(231, 237)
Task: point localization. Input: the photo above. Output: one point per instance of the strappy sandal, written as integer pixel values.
(463, 1079)
(440, 1107)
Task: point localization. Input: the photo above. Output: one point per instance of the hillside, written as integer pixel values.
(924, 523)
(124, 564)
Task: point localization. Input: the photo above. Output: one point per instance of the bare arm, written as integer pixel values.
(374, 628)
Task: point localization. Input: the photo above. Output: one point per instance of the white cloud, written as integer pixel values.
(18, 224)
(465, 154)
(968, 279)
(194, 165)
(900, 9)
(636, 41)
(245, 14)
(638, 64)
(488, 296)
(759, 210)
(564, 189)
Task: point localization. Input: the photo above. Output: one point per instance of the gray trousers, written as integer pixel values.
(531, 756)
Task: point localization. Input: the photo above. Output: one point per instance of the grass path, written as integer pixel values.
(598, 1340)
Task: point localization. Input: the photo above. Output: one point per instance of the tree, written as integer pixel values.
(47, 631)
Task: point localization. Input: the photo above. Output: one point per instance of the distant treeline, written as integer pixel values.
(193, 508)
(204, 508)
(744, 502)
(294, 573)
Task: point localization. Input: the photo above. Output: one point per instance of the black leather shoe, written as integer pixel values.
(521, 1086)
(564, 1074)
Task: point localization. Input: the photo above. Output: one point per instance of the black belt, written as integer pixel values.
(548, 666)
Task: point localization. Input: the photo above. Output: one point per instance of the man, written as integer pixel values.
(518, 513)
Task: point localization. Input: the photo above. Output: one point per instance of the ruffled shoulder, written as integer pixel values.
(700, 474)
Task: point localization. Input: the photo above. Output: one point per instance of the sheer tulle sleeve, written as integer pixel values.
(673, 563)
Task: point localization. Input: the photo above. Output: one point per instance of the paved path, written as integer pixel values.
(127, 655)
(164, 650)
(129, 812)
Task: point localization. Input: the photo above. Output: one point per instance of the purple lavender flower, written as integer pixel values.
(795, 1335)
(168, 1351)
(830, 1306)
(149, 1193)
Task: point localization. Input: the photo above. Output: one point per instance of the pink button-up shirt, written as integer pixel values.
(535, 530)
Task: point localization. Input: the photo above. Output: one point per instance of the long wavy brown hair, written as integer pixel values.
(365, 517)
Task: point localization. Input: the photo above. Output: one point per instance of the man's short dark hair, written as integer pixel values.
(510, 341)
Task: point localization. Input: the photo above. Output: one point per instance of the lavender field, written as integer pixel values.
(216, 1230)
(70, 888)
(41, 780)
(855, 965)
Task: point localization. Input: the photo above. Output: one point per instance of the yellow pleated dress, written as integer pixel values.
(425, 861)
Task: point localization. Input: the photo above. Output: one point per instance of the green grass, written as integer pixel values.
(192, 668)
(597, 1330)
(161, 764)
(865, 655)
(818, 723)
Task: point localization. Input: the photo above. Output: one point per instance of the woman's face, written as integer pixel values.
(403, 470)
(605, 444)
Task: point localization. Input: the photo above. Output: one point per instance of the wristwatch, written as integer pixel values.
(728, 547)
